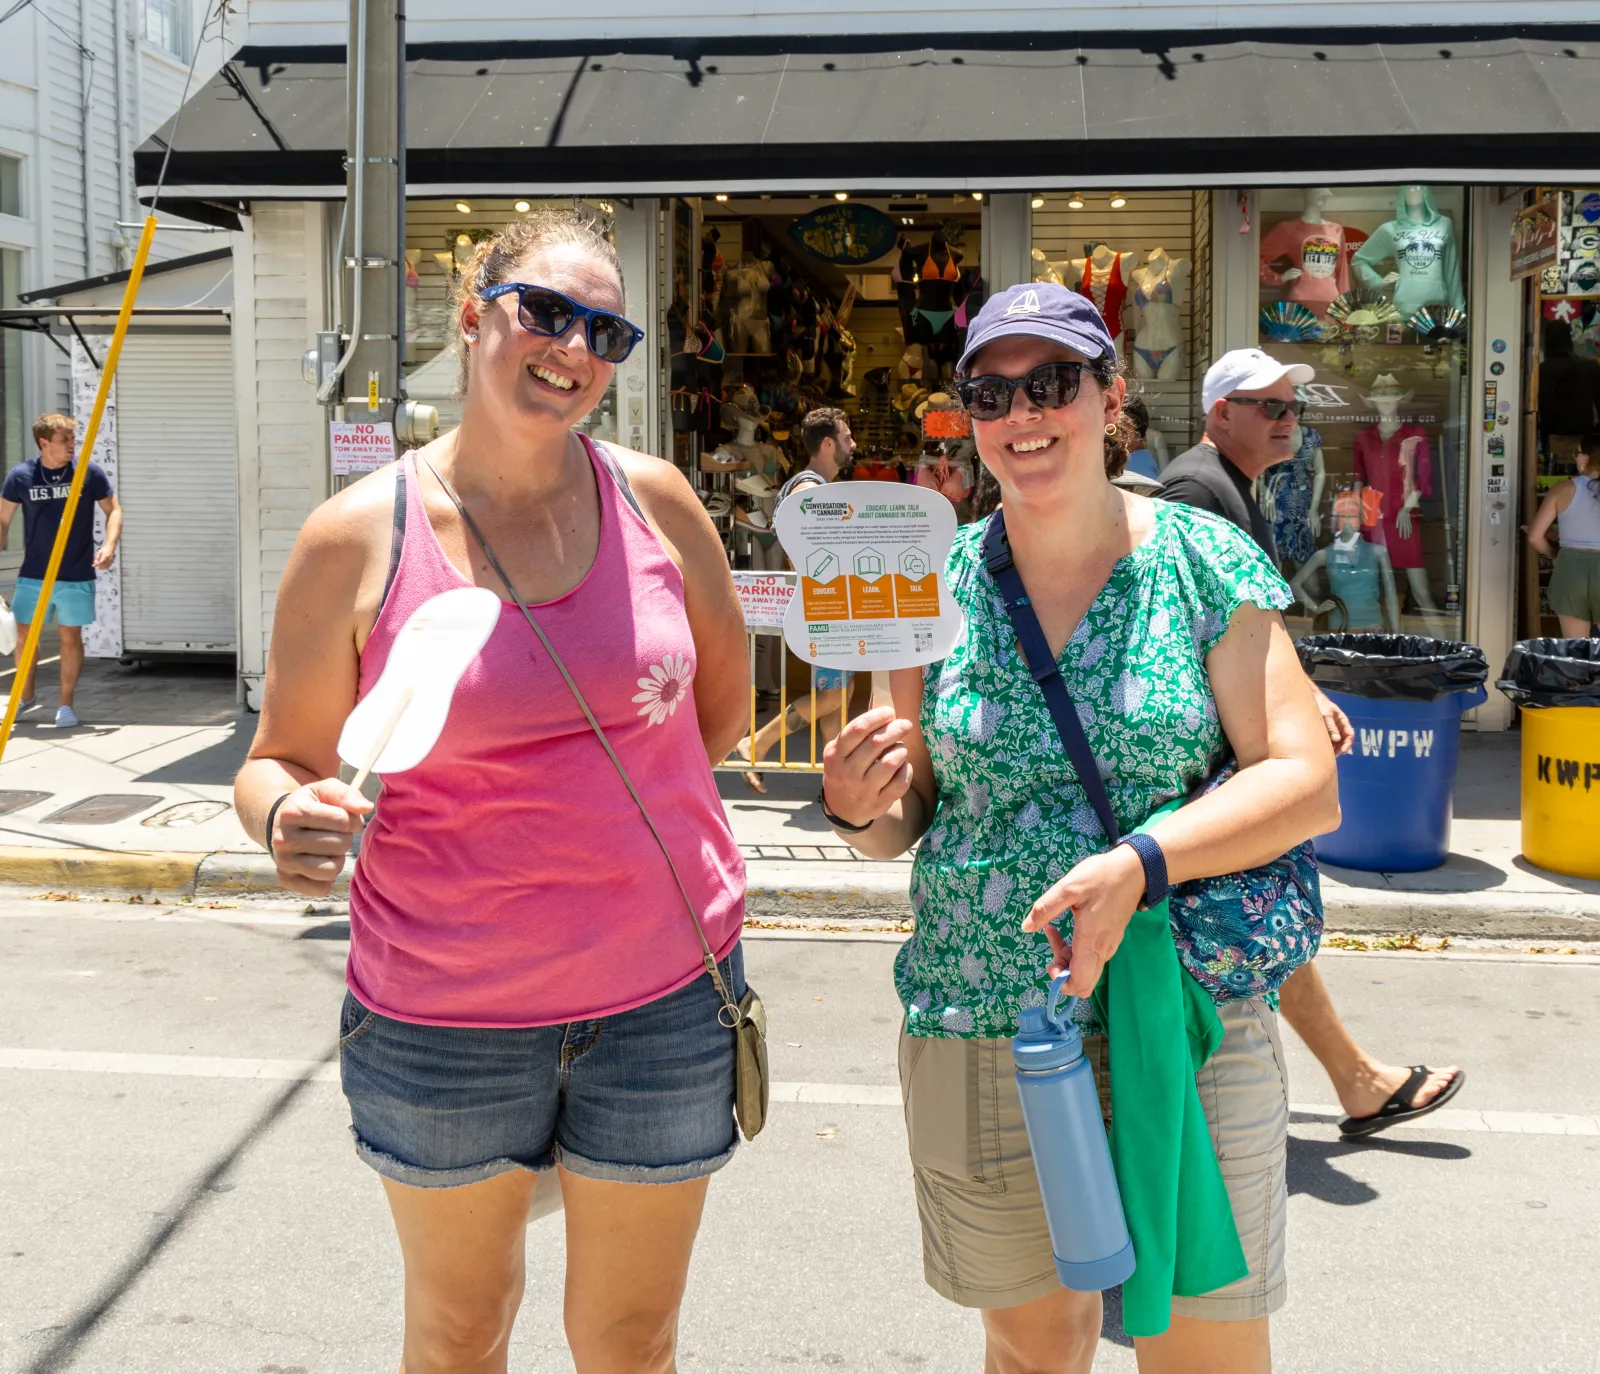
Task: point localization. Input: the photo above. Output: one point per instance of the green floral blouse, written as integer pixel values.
(1011, 818)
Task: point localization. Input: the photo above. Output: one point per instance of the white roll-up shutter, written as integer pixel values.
(177, 473)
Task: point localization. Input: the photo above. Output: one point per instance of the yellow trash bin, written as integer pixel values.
(1561, 789)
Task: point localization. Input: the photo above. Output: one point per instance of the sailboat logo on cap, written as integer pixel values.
(1025, 304)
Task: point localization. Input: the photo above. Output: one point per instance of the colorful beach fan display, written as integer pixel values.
(1289, 322)
(1363, 307)
(1448, 323)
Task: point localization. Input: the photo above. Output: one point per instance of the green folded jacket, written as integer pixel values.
(1162, 1028)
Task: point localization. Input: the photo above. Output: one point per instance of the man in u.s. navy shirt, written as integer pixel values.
(38, 487)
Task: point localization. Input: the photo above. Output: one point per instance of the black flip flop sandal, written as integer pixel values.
(1398, 1108)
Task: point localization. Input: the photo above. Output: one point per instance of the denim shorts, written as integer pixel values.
(645, 1096)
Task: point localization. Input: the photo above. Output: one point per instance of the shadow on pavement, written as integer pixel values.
(215, 763)
(62, 1348)
(1459, 873)
(1559, 879)
(1312, 1168)
(1111, 1319)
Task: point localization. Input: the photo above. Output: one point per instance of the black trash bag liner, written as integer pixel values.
(1392, 667)
(1552, 672)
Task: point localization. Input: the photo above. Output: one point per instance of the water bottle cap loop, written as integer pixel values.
(1059, 1019)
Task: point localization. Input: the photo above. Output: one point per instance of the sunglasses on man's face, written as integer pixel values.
(1049, 387)
(543, 311)
(1273, 410)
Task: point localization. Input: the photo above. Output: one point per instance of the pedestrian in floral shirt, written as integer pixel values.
(1166, 626)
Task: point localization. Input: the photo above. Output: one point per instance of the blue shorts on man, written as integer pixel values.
(71, 603)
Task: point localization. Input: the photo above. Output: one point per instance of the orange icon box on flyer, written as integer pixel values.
(871, 600)
(825, 600)
(916, 600)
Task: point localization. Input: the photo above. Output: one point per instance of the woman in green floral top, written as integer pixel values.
(1166, 626)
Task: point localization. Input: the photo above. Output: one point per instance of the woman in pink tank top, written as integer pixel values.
(526, 995)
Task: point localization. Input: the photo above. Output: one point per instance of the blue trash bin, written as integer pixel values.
(1397, 784)
(1405, 696)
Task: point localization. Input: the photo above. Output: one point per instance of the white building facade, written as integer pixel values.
(82, 84)
(1197, 129)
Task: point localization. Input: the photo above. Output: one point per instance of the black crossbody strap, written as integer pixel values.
(1046, 672)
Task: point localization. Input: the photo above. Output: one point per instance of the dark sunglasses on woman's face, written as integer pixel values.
(543, 311)
(1273, 410)
(1049, 387)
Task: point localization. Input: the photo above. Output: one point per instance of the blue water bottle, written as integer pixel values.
(1088, 1231)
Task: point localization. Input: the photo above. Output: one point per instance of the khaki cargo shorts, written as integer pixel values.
(985, 1242)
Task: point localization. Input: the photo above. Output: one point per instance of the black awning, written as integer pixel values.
(1223, 109)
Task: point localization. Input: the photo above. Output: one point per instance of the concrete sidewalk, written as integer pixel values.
(170, 737)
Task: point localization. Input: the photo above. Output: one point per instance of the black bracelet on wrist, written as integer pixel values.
(272, 817)
(837, 822)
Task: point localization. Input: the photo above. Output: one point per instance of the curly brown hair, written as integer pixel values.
(494, 259)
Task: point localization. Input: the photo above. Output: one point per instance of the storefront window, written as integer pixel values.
(1144, 258)
(1367, 286)
(786, 304)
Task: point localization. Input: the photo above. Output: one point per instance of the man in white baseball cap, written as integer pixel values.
(1251, 411)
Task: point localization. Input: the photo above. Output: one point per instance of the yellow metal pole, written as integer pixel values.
(31, 647)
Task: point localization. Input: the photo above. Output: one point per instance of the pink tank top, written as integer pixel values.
(508, 879)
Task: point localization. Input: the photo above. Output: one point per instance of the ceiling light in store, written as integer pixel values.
(977, 195)
(462, 206)
(1075, 201)
(463, 241)
(522, 207)
(723, 197)
(1118, 200)
(841, 195)
(1037, 202)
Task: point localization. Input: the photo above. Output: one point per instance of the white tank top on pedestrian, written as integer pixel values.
(1580, 522)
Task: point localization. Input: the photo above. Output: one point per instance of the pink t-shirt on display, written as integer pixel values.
(1318, 251)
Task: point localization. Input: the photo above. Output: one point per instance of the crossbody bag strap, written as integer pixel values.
(729, 1015)
(1046, 672)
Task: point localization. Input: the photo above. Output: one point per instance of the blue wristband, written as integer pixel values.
(1155, 868)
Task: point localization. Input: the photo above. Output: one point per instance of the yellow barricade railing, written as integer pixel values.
(820, 712)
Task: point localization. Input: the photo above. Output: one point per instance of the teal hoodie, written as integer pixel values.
(1424, 253)
(1162, 1028)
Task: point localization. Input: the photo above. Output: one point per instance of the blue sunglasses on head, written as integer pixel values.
(543, 311)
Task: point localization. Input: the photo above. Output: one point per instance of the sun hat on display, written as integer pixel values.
(745, 404)
(1040, 310)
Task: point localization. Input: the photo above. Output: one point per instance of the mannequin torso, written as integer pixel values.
(1160, 291)
(1103, 278)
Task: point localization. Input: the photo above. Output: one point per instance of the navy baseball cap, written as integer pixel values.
(1043, 310)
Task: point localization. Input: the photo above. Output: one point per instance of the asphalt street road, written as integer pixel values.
(177, 1195)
